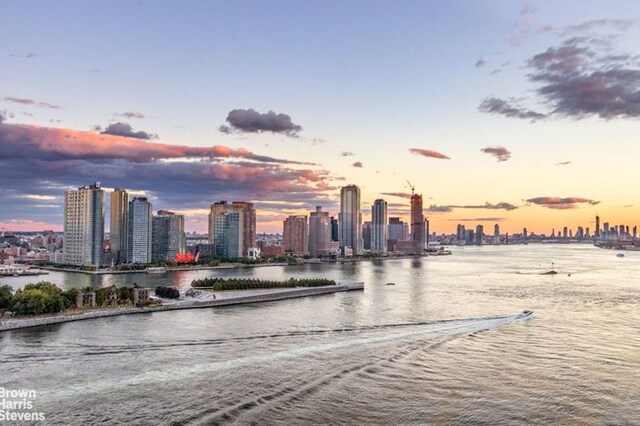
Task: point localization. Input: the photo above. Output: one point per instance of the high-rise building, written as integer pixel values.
(418, 229)
(140, 236)
(320, 233)
(233, 235)
(119, 224)
(479, 235)
(295, 236)
(366, 235)
(379, 233)
(496, 234)
(334, 229)
(168, 237)
(226, 229)
(350, 220)
(248, 213)
(565, 233)
(248, 224)
(397, 230)
(461, 233)
(84, 225)
(597, 231)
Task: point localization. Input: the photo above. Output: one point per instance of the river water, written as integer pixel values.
(444, 345)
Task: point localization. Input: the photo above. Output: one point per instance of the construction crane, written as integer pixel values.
(413, 188)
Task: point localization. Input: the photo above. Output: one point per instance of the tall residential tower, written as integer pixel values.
(118, 231)
(84, 225)
(379, 234)
(140, 223)
(350, 220)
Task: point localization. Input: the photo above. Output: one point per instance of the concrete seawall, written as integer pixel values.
(15, 324)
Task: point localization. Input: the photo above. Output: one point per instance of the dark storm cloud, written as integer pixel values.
(563, 163)
(561, 203)
(480, 63)
(251, 121)
(124, 129)
(357, 164)
(581, 77)
(499, 152)
(346, 153)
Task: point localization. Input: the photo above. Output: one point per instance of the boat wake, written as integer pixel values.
(419, 335)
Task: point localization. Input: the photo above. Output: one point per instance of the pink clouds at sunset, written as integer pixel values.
(24, 141)
(561, 203)
(428, 153)
(174, 176)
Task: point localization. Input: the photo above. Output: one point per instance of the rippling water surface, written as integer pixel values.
(443, 345)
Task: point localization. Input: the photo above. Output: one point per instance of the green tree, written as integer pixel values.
(6, 298)
(40, 298)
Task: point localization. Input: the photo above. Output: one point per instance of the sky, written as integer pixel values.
(518, 113)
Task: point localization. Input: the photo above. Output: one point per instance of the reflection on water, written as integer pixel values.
(441, 346)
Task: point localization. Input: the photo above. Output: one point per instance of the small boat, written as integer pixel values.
(526, 313)
(620, 254)
(156, 270)
(391, 283)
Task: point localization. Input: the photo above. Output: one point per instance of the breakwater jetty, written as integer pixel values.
(239, 298)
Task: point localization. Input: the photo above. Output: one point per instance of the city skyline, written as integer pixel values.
(185, 120)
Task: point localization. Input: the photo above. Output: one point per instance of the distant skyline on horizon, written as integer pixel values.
(517, 113)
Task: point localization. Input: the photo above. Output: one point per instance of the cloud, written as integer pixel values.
(487, 206)
(480, 63)
(397, 194)
(27, 56)
(124, 129)
(175, 177)
(428, 153)
(251, 121)
(439, 209)
(479, 219)
(508, 109)
(563, 163)
(38, 197)
(581, 77)
(499, 152)
(357, 164)
(561, 203)
(346, 153)
(595, 24)
(131, 115)
(52, 144)
(27, 101)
